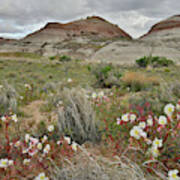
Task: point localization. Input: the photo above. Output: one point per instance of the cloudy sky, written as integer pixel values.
(20, 17)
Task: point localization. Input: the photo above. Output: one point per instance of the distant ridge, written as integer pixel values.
(164, 25)
(93, 25)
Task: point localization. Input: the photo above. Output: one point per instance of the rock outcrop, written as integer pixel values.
(79, 39)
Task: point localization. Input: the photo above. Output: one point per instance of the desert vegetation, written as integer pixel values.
(75, 120)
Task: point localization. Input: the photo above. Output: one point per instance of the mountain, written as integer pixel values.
(168, 29)
(163, 39)
(92, 27)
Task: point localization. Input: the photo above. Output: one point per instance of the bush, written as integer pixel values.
(138, 81)
(52, 58)
(8, 99)
(77, 118)
(65, 58)
(154, 61)
(106, 76)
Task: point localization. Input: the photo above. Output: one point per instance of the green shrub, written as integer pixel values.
(106, 76)
(65, 58)
(154, 61)
(52, 58)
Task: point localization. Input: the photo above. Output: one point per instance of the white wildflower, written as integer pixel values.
(51, 128)
(162, 120)
(94, 95)
(39, 146)
(47, 148)
(157, 143)
(67, 139)
(173, 175)
(4, 163)
(41, 176)
(142, 125)
(169, 109)
(132, 117)
(74, 146)
(26, 161)
(136, 132)
(125, 117)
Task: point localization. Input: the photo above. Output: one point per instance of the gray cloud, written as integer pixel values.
(20, 17)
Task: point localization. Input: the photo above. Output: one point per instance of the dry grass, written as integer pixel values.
(88, 166)
(77, 117)
(8, 99)
(139, 81)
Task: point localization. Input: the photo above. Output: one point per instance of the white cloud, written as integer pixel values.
(20, 17)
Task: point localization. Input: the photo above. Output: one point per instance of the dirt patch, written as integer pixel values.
(34, 115)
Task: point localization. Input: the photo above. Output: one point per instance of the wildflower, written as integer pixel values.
(169, 109)
(173, 175)
(150, 121)
(14, 118)
(26, 161)
(59, 142)
(162, 120)
(27, 137)
(41, 176)
(47, 148)
(74, 146)
(144, 134)
(10, 162)
(118, 122)
(148, 141)
(67, 139)
(51, 128)
(39, 146)
(24, 151)
(178, 107)
(21, 97)
(44, 139)
(1, 86)
(94, 95)
(125, 117)
(28, 86)
(69, 80)
(132, 117)
(155, 152)
(3, 118)
(101, 94)
(17, 144)
(136, 132)
(32, 151)
(157, 143)
(142, 125)
(4, 163)
(33, 141)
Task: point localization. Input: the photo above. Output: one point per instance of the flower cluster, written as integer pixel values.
(153, 131)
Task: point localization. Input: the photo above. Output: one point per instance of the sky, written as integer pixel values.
(21, 17)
